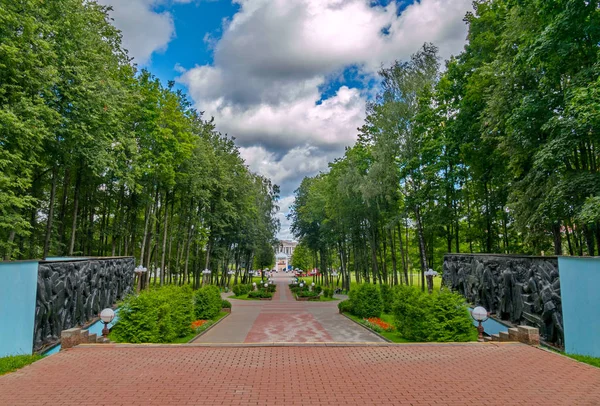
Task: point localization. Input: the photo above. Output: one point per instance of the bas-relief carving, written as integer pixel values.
(71, 293)
(522, 290)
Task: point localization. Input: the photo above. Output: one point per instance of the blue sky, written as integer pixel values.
(288, 78)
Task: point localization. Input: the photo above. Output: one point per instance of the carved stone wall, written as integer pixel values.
(520, 289)
(70, 293)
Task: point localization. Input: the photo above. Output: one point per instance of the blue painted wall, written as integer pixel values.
(18, 288)
(580, 292)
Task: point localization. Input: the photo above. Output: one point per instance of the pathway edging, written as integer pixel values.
(209, 328)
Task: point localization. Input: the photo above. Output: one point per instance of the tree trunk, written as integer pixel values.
(422, 248)
(164, 242)
(75, 208)
(50, 213)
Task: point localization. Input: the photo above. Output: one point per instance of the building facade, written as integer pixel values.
(283, 254)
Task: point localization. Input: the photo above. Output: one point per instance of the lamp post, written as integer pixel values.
(253, 285)
(107, 315)
(139, 271)
(429, 274)
(205, 274)
(480, 315)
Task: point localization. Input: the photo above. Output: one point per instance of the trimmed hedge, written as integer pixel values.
(207, 302)
(241, 289)
(345, 306)
(366, 301)
(260, 294)
(225, 304)
(439, 317)
(155, 316)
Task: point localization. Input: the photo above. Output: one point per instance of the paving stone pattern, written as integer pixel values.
(242, 374)
(284, 319)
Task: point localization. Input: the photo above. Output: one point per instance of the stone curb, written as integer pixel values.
(283, 344)
(368, 329)
(209, 328)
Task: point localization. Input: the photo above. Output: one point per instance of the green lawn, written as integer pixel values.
(14, 362)
(416, 279)
(586, 359)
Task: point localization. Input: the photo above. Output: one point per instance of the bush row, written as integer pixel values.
(164, 314)
(419, 316)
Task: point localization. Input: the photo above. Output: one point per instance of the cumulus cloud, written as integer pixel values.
(145, 30)
(274, 57)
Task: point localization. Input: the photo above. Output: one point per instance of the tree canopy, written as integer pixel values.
(498, 152)
(98, 158)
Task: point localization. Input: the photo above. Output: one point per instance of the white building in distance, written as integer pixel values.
(283, 254)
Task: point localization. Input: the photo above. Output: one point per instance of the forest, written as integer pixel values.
(98, 158)
(496, 151)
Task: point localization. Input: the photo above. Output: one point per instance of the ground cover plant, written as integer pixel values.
(14, 362)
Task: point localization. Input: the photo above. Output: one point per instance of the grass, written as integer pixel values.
(200, 330)
(594, 361)
(14, 362)
(416, 279)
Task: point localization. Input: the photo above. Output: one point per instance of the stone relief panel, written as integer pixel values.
(69, 294)
(519, 289)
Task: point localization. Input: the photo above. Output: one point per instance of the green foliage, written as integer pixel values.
(155, 316)
(387, 295)
(327, 292)
(440, 317)
(345, 306)
(307, 293)
(225, 304)
(317, 289)
(207, 302)
(595, 361)
(260, 294)
(366, 301)
(14, 362)
(241, 289)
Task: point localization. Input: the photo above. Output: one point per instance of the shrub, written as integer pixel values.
(306, 293)
(272, 288)
(225, 304)
(207, 302)
(155, 316)
(260, 294)
(345, 306)
(241, 289)
(366, 301)
(438, 317)
(387, 295)
(318, 289)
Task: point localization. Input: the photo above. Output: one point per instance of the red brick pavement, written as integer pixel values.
(427, 374)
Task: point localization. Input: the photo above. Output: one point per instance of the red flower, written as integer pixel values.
(198, 323)
(380, 323)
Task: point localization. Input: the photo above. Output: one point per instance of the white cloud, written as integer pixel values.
(145, 31)
(275, 55)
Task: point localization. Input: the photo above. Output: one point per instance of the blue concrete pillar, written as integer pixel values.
(18, 289)
(580, 293)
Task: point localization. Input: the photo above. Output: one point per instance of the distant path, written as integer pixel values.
(285, 320)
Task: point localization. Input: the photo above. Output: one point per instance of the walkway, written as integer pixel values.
(284, 319)
(261, 366)
(376, 374)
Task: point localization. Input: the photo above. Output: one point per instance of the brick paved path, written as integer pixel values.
(426, 374)
(284, 319)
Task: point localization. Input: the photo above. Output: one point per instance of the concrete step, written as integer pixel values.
(504, 336)
(513, 334)
(487, 339)
(92, 338)
(495, 337)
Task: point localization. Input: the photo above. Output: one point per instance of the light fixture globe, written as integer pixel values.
(301, 284)
(266, 285)
(107, 315)
(253, 283)
(479, 314)
(312, 284)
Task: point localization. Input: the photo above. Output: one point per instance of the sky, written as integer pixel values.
(289, 79)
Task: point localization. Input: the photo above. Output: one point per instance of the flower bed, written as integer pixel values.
(378, 325)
